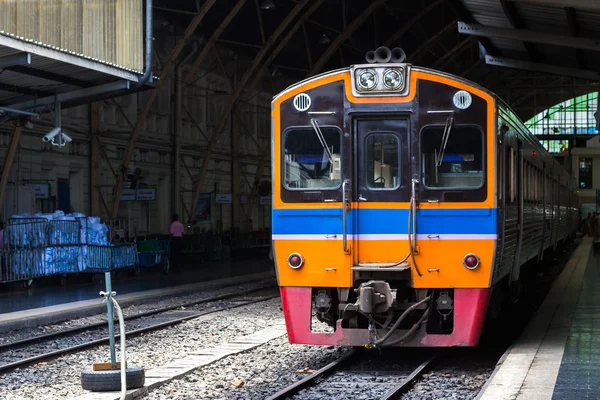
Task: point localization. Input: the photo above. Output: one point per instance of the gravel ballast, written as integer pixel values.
(255, 374)
(60, 378)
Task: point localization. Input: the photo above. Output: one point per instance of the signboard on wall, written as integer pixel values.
(42, 190)
(203, 207)
(224, 198)
(128, 195)
(145, 194)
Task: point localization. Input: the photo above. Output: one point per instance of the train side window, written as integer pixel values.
(312, 161)
(455, 161)
(510, 171)
(383, 160)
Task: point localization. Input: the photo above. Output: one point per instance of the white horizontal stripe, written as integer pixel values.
(452, 236)
(401, 236)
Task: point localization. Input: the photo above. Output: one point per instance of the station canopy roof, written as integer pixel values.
(34, 76)
(533, 53)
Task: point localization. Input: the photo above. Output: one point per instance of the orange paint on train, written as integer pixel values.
(328, 266)
(414, 76)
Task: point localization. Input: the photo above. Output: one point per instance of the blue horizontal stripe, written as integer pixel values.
(384, 221)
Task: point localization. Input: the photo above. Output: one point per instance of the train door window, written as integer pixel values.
(312, 158)
(452, 158)
(524, 178)
(510, 175)
(383, 160)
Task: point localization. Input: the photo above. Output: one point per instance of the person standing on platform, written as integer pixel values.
(176, 240)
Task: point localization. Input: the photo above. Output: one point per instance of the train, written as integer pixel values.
(408, 204)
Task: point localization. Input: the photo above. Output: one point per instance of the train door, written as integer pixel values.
(381, 193)
(544, 216)
(515, 273)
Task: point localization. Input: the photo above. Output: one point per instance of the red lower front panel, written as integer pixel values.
(470, 306)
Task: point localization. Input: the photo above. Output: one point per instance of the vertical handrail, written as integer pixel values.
(346, 193)
(413, 206)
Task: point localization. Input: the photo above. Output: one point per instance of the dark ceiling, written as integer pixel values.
(425, 29)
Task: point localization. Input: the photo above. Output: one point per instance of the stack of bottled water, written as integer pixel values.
(46, 244)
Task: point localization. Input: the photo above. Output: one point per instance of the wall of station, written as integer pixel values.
(65, 172)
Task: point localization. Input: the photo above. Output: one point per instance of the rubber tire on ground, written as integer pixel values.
(110, 381)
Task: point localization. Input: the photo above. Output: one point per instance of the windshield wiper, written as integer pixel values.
(445, 136)
(439, 157)
(317, 129)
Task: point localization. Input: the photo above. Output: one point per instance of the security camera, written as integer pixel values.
(66, 138)
(51, 135)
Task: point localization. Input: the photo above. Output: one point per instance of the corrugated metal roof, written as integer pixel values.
(542, 18)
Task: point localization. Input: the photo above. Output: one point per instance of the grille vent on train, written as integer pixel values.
(462, 99)
(302, 102)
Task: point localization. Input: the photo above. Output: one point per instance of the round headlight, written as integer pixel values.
(393, 79)
(367, 79)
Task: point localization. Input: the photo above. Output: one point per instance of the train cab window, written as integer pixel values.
(312, 158)
(454, 158)
(383, 158)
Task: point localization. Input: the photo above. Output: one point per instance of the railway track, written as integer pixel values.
(353, 376)
(28, 351)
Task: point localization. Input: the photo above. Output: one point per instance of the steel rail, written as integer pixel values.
(24, 342)
(174, 321)
(396, 392)
(393, 394)
(309, 380)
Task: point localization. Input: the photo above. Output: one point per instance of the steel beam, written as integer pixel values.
(284, 42)
(76, 95)
(13, 145)
(213, 40)
(582, 4)
(150, 102)
(51, 76)
(464, 14)
(25, 91)
(571, 16)
(257, 63)
(15, 59)
(6, 110)
(341, 38)
(529, 36)
(515, 20)
(426, 45)
(254, 188)
(447, 58)
(404, 27)
(95, 160)
(544, 68)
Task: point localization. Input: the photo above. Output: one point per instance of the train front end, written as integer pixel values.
(384, 219)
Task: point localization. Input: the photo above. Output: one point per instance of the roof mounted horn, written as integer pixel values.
(384, 55)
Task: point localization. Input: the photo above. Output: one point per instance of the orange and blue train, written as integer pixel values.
(408, 204)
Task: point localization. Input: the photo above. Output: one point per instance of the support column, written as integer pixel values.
(235, 173)
(177, 125)
(9, 158)
(95, 160)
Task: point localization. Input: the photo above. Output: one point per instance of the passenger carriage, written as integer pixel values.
(401, 197)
